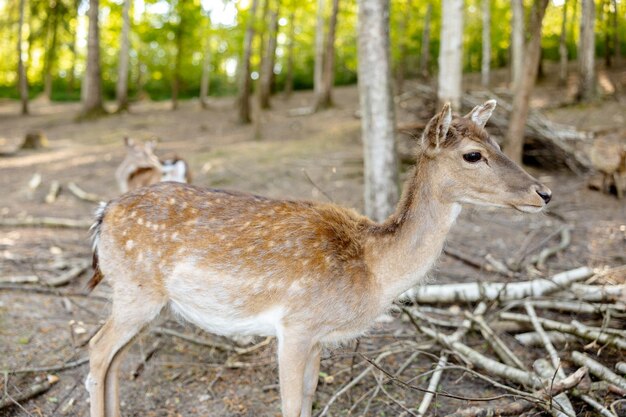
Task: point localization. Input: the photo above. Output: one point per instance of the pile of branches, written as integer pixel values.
(512, 307)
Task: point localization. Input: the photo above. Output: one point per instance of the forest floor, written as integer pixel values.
(315, 157)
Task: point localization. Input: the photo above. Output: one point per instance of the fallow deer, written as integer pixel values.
(141, 167)
(308, 273)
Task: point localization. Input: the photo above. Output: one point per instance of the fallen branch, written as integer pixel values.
(69, 275)
(564, 406)
(145, 357)
(572, 306)
(554, 357)
(30, 392)
(489, 264)
(621, 367)
(502, 350)
(55, 187)
(598, 369)
(566, 239)
(594, 293)
(210, 343)
(46, 222)
(597, 406)
(82, 194)
(533, 339)
(19, 279)
(520, 406)
(476, 291)
(56, 368)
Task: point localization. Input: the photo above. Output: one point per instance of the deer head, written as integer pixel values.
(141, 154)
(469, 166)
(140, 159)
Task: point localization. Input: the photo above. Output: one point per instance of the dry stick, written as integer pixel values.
(554, 356)
(563, 405)
(598, 369)
(599, 407)
(82, 194)
(492, 366)
(581, 331)
(46, 222)
(532, 339)
(431, 320)
(29, 392)
(594, 293)
(498, 345)
(475, 291)
(69, 275)
(19, 279)
(56, 368)
(50, 291)
(55, 187)
(520, 406)
(145, 358)
(210, 343)
(443, 360)
(489, 264)
(566, 238)
(569, 306)
(621, 367)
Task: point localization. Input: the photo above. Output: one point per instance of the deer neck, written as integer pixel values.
(405, 247)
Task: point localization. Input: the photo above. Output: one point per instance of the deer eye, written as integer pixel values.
(472, 157)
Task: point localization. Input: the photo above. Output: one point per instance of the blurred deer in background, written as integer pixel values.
(142, 167)
(308, 273)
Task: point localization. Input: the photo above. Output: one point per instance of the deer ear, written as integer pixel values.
(437, 128)
(481, 113)
(151, 145)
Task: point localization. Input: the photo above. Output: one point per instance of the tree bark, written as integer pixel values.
(425, 48)
(563, 47)
(91, 91)
(123, 65)
(325, 99)
(616, 45)
(521, 100)
(51, 48)
(318, 70)
(289, 76)
(267, 71)
(486, 55)
(21, 71)
(205, 81)
(517, 42)
(377, 107)
(404, 37)
(586, 60)
(176, 79)
(243, 101)
(451, 53)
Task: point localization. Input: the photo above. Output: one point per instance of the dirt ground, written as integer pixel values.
(315, 157)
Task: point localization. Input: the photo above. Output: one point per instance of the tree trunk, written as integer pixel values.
(616, 44)
(586, 60)
(451, 53)
(91, 91)
(563, 47)
(605, 17)
(243, 101)
(289, 76)
(486, 55)
(267, 71)
(377, 107)
(71, 80)
(425, 49)
(21, 71)
(404, 38)
(324, 99)
(123, 65)
(521, 100)
(517, 42)
(51, 49)
(318, 70)
(176, 79)
(205, 81)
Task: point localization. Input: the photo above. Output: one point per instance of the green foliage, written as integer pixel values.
(160, 27)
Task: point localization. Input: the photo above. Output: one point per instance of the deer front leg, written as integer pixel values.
(311, 376)
(293, 354)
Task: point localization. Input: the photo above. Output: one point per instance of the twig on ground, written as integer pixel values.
(30, 392)
(46, 222)
(594, 293)
(82, 194)
(55, 368)
(69, 275)
(489, 263)
(19, 279)
(566, 239)
(533, 339)
(561, 405)
(598, 369)
(621, 367)
(554, 356)
(52, 195)
(597, 406)
(573, 306)
(50, 291)
(145, 358)
(211, 343)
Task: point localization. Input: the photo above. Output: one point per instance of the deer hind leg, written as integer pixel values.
(107, 348)
(293, 353)
(311, 376)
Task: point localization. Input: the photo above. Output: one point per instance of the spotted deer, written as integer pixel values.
(309, 273)
(141, 167)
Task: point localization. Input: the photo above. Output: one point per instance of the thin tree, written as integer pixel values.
(403, 46)
(378, 117)
(318, 69)
(616, 45)
(243, 100)
(21, 71)
(451, 53)
(51, 46)
(563, 47)
(586, 60)
(267, 70)
(121, 90)
(291, 40)
(521, 100)
(517, 42)
(178, 58)
(91, 90)
(205, 80)
(486, 52)
(324, 98)
(425, 48)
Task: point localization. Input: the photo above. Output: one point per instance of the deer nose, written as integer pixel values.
(545, 194)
